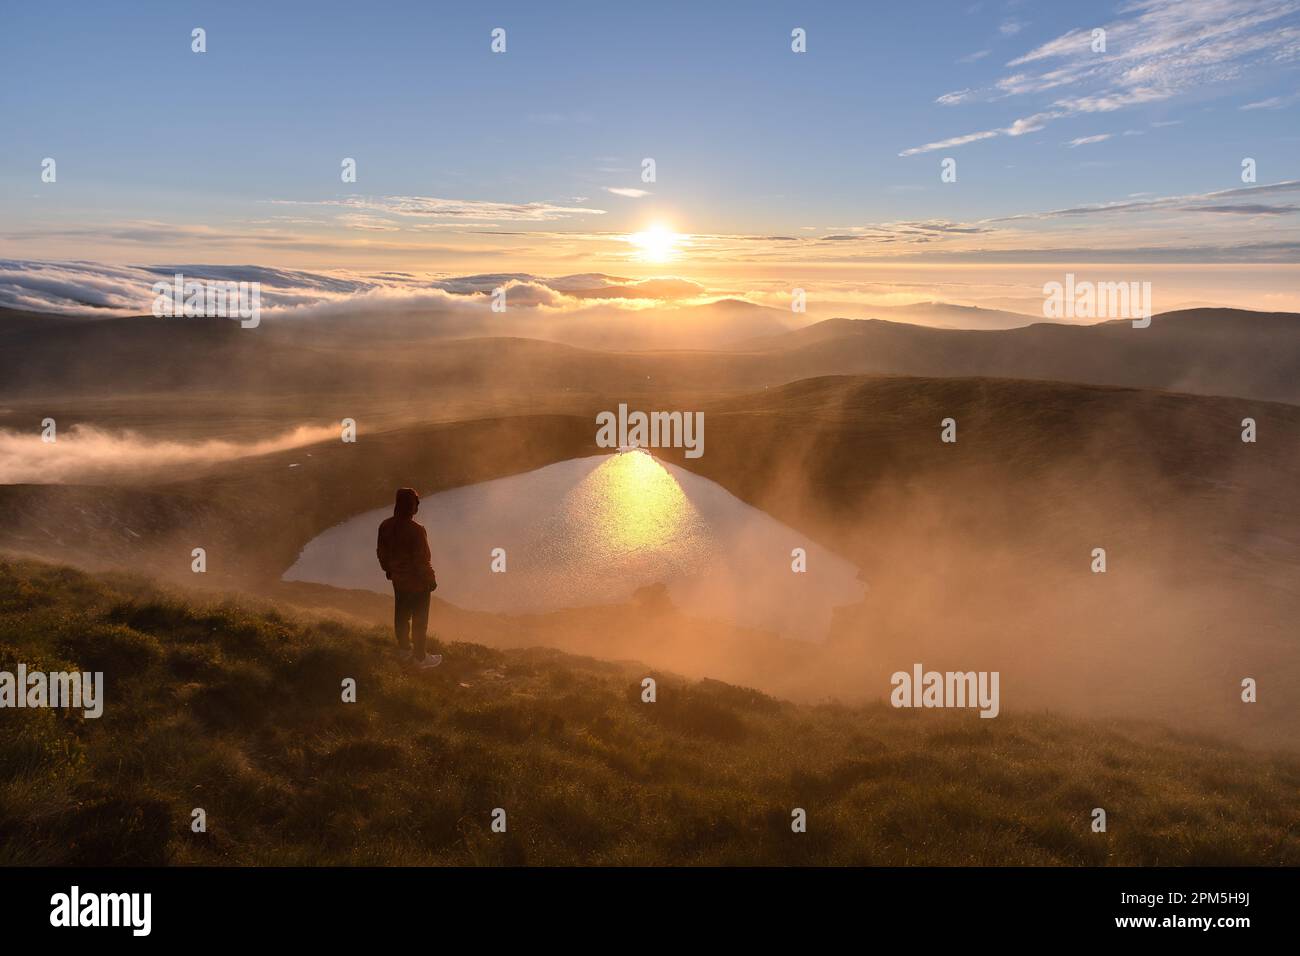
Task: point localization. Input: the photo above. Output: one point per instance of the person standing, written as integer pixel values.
(403, 552)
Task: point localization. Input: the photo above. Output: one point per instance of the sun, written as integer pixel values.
(656, 243)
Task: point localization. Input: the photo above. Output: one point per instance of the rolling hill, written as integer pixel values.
(1204, 351)
(1211, 352)
(235, 708)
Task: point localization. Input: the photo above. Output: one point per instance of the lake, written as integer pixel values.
(591, 531)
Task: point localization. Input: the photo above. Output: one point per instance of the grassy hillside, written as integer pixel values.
(236, 709)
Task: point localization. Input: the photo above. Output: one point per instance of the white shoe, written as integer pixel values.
(430, 660)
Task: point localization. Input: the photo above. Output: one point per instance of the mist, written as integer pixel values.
(85, 453)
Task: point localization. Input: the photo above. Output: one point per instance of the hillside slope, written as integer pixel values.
(1203, 351)
(236, 709)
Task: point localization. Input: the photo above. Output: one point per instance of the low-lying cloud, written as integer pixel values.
(84, 453)
(91, 288)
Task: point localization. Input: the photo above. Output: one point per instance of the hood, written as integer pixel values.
(408, 501)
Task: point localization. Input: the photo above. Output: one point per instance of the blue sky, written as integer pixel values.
(469, 160)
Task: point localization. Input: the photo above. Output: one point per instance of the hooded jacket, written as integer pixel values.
(403, 546)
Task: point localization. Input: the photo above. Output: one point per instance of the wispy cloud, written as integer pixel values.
(459, 210)
(1248, 209)
(1020, 127)
(1087, 140)
(1194, 202)
(947, 143)
(368, 223)
(627, 192)
(1272, 103)
(953, 98)
(1156, 51)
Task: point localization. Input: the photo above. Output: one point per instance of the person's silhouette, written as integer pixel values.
(403, 552)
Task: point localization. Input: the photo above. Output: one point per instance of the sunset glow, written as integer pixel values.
(656, 243)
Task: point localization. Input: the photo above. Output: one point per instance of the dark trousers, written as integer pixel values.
(411, 619)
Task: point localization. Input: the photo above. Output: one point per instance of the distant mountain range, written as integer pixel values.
(1207, 351)
(944, 315)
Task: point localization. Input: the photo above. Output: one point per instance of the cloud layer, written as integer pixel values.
(92, 288)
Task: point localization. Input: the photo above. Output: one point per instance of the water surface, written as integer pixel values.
(591, 531)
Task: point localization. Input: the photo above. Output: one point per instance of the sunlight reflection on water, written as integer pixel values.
(591, 531)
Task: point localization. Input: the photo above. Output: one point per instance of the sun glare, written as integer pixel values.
(635, 502)
(656, 243)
